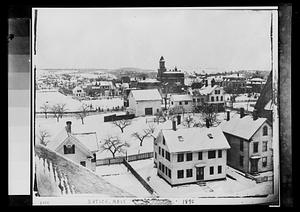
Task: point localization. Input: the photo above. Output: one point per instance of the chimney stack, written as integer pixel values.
(207, 123)
(178, 119)
(254, 114)
(228, 115)
(68, 127)
(174, 125)
(242, 112)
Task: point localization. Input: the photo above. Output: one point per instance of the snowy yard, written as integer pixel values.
(119, 176)
(240, 187)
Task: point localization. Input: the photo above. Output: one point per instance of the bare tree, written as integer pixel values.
(122, 124)
(114, 145)
(208, 113)
(58, 110)
(176, 110)
(45, 108)
(188, 121)
(83, 112)
(151, 129)
(141, 136)
(43, 137)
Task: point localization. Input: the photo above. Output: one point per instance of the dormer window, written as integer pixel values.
(69, 149)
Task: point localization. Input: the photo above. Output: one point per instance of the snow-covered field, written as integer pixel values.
(55, 97)
(240, 187)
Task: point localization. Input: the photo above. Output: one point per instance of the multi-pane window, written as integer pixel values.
(189, 156)
(194, 100)
(241, 145)
(217, 98)
(211, 154)
(211, 170)
(199, 155)
(163, 168)
(180, 157)
(179, 174)
(169, 174)
(159, 150)
(180, 103)
(255, 147)
(189, 173)
(162, 152)
(212, 99)
(198, 100)
(186, 102)
(219, 169)
(164, 141)
(221, 98)
(168, 155)
(69, 149)
(241, 160)
(159, 165)
(155, 155)
(265, 146)
(264, 161)
(265, 130)
(219, 153)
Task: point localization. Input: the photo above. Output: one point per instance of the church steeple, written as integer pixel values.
(162, 68)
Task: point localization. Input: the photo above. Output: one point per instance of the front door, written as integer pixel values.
(148, 111)
(199, 173)
(254, 165)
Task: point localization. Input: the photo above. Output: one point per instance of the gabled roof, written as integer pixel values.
(87, 141)
(195, 139)
(244, 127)
(146, 95)
(182, 97)
(207, 89)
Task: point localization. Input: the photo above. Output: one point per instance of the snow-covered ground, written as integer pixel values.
(119, 176)
(240, 187)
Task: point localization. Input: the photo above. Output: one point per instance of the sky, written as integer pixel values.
(191, 39)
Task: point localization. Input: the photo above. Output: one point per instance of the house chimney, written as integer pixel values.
(242, 112)
(174, 125)
(178, 119)
(207, 123)
(254, 114)
(228, 115)
(68, 127)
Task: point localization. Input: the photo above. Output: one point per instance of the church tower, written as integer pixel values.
(161, 69)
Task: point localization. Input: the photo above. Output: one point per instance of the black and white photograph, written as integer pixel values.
(155, 106)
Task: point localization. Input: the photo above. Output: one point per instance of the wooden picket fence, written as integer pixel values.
(120, 159)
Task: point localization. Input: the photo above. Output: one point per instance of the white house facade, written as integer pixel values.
(182, 100)
(144, 102)
(191, 155)
(78, 92)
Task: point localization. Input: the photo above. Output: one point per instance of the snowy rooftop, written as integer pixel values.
(87, 140)
(242, 127)
(195, 139)
(178, 97)
(207, 89)
(144, 95)
(79, 178)
(149, 81)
